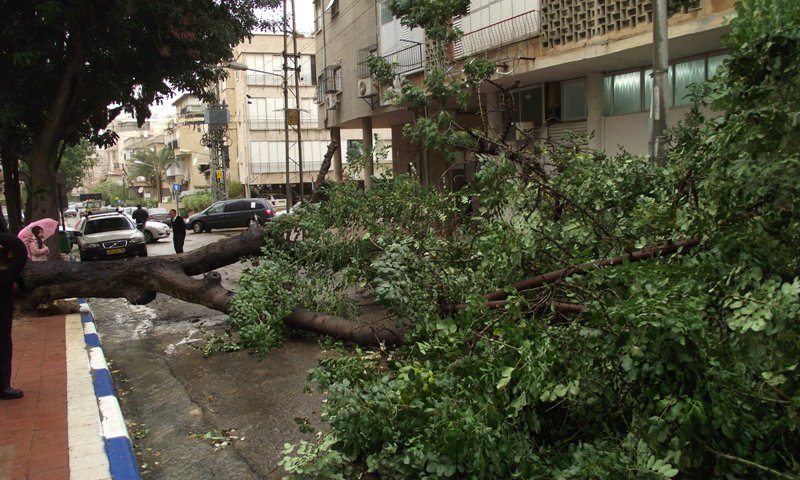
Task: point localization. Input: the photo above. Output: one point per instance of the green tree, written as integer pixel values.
(153, 164)
(112, 192)
(63, 62)
(77, 161)
(235, 189)
(674, 367)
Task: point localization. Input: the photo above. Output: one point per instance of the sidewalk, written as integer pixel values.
(68, 424)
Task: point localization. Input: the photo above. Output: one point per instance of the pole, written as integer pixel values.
(658, 109)
(297, 104)
(286, 109)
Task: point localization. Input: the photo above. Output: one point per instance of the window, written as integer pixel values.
(266, 113)
(528, 105)
(620, 90)
(686, 75)
(386, 14)
(573, 99)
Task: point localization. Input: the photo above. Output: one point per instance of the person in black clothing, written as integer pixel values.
(140, 215)
(13, 257)
(178, 230)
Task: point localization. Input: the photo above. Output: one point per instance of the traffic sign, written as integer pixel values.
(176, 187)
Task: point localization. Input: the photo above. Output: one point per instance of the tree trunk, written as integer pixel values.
(139, 279)
(323, 171)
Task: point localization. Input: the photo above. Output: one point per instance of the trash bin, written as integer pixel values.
(64, 242)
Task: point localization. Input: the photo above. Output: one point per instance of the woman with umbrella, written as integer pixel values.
(34, 235)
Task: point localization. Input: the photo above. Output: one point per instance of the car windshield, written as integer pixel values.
(158, 211)
(108, 225)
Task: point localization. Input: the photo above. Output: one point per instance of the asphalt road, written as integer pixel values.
(226, 416)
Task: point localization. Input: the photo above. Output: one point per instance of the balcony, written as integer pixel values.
(516, 28)
(278, 122)
(408, 59)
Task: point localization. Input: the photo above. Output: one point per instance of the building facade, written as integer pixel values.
(580, 66)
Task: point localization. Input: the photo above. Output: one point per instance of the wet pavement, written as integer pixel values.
(226, 416)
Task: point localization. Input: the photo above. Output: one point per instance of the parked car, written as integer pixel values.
(276, 199)
(109, 235)
(155, 231)
(232, 213)
(159, 215)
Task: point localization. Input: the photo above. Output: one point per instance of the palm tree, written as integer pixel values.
(153, 165)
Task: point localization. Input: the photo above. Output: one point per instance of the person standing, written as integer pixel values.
(37, 250)
(178, 230)
(12, 260)
(140, 215)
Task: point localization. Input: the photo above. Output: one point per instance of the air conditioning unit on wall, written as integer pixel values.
(332, 101)
(367, 88)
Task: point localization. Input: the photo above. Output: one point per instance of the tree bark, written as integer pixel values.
(323, 171)
(139, 279)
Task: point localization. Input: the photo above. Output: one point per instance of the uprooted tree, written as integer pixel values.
(534, 344)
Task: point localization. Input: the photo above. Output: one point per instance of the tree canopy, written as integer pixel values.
(64, 62)
(681, 365)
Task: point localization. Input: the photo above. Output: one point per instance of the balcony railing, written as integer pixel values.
(407, 59)
(525, 25)
(279, 122)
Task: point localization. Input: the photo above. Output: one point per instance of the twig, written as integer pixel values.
(743, 461)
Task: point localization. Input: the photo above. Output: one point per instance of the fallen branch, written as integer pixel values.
(319, 182)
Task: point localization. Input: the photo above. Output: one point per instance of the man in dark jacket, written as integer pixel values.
(178, 230)
(140, 215)
(13, 256)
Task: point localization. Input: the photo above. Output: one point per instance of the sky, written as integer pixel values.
(305, 24)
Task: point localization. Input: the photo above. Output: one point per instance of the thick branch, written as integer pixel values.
(636, 256)
(323, 171)
(139, 279)
(367, 335)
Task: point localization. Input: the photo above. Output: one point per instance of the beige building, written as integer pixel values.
(570, 65)
(257, 130)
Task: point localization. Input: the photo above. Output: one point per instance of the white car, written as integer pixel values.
(153, 231)
(109, 235)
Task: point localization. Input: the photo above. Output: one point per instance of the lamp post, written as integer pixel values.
(284, 85)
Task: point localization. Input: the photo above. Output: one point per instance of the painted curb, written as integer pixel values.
(119, 449)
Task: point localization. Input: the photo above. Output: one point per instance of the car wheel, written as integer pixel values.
(148, 237)
(197, 227)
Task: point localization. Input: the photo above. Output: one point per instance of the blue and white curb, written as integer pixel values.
(119, 449)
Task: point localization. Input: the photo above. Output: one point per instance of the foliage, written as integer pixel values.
(680, 367)
(63, 62)
(111, 192)
(197, 202)
(77, 160)
(153, 164)
(235, 189)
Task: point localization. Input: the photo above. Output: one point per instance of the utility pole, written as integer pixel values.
(215, 138)
(298, 125)
(658, 108)
(289, 202)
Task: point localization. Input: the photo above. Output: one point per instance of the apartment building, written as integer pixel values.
(568, 66)
(257, 129)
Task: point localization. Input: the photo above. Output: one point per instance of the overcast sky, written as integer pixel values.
(305, 24)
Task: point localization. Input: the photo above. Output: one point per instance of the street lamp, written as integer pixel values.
(243, 67)
(156, 174)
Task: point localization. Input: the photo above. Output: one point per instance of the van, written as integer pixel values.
(231, 214)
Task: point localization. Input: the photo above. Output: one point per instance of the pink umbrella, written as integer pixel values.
(48, 225)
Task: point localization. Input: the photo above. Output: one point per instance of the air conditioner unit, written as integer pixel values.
(332, 101)
(367, 88)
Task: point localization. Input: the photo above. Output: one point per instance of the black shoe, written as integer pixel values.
(10, 393)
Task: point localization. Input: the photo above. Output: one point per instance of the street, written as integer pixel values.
(190, 417)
